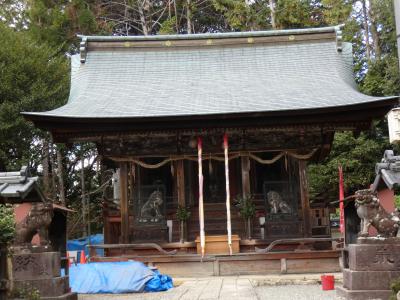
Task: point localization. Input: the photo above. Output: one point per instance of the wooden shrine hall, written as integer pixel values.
(209, 136)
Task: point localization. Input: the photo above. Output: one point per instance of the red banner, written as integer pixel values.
(341, 198)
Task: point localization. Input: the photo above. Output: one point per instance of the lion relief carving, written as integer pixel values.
(277, 204)
(151, 209)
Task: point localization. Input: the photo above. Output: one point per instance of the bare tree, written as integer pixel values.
(366, 29)
(397, 18)
(272, 7)
(189, 16)
(134, 16)
(374, 31)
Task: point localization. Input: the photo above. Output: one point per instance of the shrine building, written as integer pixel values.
(193, 125)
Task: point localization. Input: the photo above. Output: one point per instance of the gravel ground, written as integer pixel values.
(227, 290)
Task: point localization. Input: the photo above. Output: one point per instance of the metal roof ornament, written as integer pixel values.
(83, 49)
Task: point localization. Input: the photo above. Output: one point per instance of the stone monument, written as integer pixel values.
(373, 262)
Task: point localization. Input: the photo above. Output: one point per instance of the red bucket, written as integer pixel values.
(328, 282)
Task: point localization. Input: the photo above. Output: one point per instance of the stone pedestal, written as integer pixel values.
(40, 271)
(150, 233)
(372, 264)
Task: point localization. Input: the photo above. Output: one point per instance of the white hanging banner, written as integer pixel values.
(228, 196)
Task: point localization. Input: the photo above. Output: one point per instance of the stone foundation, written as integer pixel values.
(372, 265)
(36, 265)
(40, 271)
(362, 294)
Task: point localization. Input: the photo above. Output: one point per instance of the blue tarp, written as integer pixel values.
(81, 244)
(116, 277)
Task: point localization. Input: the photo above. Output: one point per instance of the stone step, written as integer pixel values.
(53, 287)
(67, 296)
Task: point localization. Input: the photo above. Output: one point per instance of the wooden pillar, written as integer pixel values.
(180, 183)
(245, 163)
(123, 181)
(305, 203)
(180, 192)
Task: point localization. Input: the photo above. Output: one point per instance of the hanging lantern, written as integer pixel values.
(393, 118)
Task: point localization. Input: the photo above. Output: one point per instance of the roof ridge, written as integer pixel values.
(217, 35)
(90, 43)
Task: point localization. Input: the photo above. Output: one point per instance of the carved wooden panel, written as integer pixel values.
(150, 205)
(283, 229)
(212, 143)
(150, 234)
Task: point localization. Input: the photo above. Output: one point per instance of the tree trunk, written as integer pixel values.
(83, 195)
(189, 16)
(374, 31)
(143, 8)
(60, 173)
(176, 17)
(366, 29)
(397, 17)
(273, 13)
(45, 164)
(53, 171)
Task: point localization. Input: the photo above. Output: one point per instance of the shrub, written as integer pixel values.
(7, 224)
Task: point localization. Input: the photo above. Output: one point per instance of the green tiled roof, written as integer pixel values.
(141, 82)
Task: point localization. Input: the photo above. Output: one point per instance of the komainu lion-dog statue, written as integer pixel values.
(372, 213)
(36, 222)
(277, 204)
(150, 211)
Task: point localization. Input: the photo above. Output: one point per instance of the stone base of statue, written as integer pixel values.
(146, 233)
(369, 268)
(40, 272)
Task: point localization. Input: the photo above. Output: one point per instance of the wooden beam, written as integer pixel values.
(305, 203)
(245, 163)
(123, 181)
